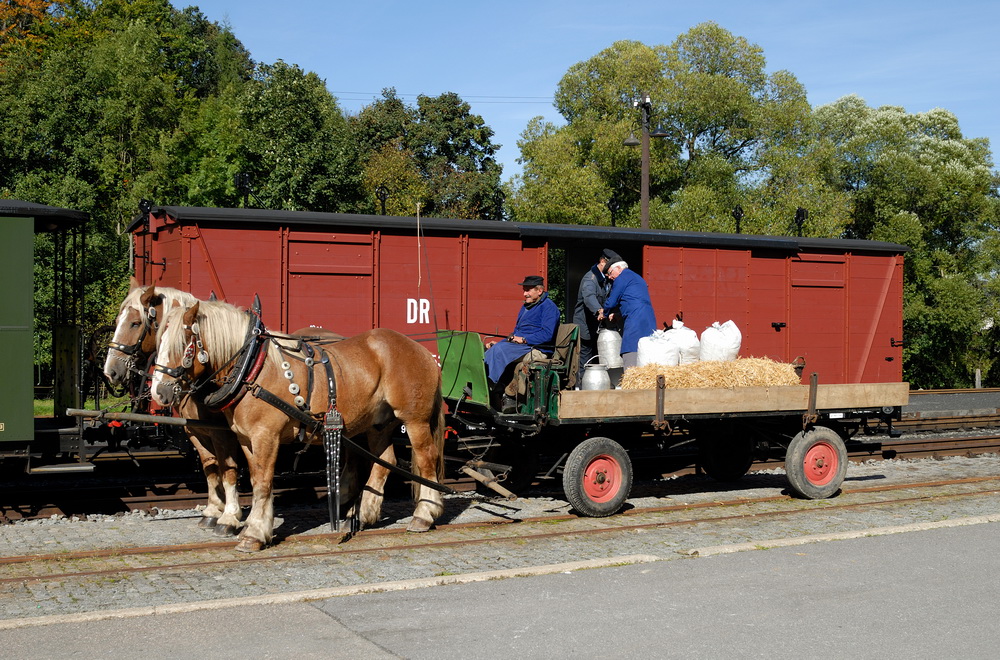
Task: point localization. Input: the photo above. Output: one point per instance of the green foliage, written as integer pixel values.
(914, 179)
(723, 117)
(84, 112)
(297, 144)
(437, 155)
(554, 186)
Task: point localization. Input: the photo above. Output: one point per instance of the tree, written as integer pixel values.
(555, 187)
(297, 145)
(83, 113)
(914, 179)
(722, 114)
(451, 150)
(22, 25)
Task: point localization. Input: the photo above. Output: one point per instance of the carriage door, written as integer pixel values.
(817, 325)
(329, 282)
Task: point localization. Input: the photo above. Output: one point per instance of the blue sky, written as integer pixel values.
(506, 58)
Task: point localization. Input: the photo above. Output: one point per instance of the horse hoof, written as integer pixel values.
(225, 530)
(419, 525)
(248, 544)
(207, 522)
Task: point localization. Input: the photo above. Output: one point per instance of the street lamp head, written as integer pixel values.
(631, 141)
(659, 132)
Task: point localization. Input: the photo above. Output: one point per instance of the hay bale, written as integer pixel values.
(744, 372)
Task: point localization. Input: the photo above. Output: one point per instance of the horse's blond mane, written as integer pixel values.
(222, 329)
(132, 301)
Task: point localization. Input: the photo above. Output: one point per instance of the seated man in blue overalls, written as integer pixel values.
(537, 323)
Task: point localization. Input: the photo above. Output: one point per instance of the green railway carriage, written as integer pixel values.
(19, 223)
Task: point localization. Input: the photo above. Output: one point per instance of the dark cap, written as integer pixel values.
(611, 256)
(533, 280)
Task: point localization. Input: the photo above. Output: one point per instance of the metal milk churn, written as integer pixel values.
(609, 347)
(595, 377)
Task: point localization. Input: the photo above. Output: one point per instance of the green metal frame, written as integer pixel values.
(17, 249)
(463, 372)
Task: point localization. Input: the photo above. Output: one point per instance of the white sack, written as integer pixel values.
(687, 342)
(721, 342)
(658, 348)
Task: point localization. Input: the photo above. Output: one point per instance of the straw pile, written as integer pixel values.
(744, 372)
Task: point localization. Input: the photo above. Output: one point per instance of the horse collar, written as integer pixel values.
(246, 368)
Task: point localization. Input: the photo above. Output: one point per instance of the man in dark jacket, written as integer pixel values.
(537, 323)
(593, 290)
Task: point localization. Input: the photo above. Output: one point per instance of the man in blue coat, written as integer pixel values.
(537, 322)
(630, 294)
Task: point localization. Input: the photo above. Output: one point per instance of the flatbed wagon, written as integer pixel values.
(593, 437)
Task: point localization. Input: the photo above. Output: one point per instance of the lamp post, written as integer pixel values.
(646, 110)
(382, 193)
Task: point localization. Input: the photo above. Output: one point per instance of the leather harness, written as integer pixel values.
(247, 365)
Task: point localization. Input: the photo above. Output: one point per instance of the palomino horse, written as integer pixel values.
(134, 342)
(380, 379)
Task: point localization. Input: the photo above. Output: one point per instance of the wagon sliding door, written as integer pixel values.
(817, 326)
(330, 282)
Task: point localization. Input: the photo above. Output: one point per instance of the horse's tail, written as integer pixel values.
(438, 429)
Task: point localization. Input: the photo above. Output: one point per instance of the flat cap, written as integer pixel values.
(533, 280)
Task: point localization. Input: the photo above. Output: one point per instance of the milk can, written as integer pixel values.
(595, 377)
(609, 347)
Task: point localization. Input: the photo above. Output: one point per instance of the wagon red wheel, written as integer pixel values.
(816, 463)
(597, 477)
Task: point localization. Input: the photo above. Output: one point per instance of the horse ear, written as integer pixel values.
(148, 296)
(133, 283)
(212, 296)
(191, 315)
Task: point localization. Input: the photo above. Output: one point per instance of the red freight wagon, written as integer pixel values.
(836, 303)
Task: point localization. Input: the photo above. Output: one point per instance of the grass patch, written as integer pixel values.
(46, 407)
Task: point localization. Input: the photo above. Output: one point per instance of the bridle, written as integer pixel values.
(183, 383)
(241, 369)
(129, 355)
(149, 322)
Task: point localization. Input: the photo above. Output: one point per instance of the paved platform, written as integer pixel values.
(923, 594)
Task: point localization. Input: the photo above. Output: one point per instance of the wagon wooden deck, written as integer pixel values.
(579, 405)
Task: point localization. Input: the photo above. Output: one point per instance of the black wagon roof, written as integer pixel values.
(47, 218)
(558, 235)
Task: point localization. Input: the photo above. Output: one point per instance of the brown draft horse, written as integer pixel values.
(382, 379)
(138, 327)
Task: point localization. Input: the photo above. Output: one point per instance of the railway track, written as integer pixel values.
(35, 498)
(112, 564)
(20, 503)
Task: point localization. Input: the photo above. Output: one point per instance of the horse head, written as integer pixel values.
(196, 347)
(135, 333)
(137, 329)
(182, 358)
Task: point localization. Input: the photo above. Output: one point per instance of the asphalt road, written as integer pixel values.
(925, 594)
